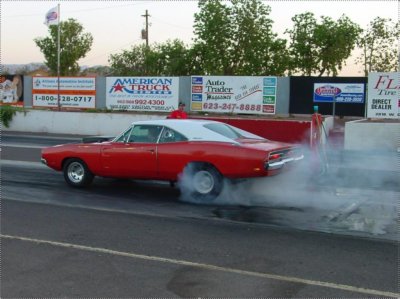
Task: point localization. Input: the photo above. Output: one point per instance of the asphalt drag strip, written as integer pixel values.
(209, 267)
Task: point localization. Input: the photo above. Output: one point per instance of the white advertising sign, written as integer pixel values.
(75, 92)
(244, 95)
(383, 95)
(142, 93)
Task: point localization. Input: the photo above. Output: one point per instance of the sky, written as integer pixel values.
(116, 25)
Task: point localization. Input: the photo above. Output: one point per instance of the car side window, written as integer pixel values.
(124, 136)
(169, 135)
(145, 133)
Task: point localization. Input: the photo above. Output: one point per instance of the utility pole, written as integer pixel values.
(145, 35)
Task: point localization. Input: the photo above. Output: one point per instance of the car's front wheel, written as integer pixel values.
(203, 181)
(76, 173)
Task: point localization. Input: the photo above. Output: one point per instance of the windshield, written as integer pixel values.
(231, 132)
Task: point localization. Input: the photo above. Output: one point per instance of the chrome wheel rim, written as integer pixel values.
(75, 172)
(203, 182)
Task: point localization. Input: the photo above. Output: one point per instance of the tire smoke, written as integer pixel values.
(345, 191)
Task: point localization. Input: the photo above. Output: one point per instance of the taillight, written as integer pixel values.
(278, 159)
(274, 157)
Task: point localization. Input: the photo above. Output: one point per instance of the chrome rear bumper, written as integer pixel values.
(279, 164)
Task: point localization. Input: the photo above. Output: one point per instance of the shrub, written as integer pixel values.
(6, 114)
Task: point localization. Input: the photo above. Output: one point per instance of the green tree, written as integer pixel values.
(335, 42)
(321, 48)
(98, 70)
(167, 59)
(256, 48)
(379, 45)
(172, 59)
(237, 39)
(74, 45)
(196, 59)
(130, 62)
(213, 42)
(302, 47)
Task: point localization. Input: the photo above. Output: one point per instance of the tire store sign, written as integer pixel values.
(383, 95)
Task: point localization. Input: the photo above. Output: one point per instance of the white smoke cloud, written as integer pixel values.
(346, 192)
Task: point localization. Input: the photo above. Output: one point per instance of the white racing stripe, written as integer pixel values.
(208, 267)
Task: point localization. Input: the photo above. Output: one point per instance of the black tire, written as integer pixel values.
(76, 173)
(203, 182)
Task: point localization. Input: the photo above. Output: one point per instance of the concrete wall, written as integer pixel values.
(359, 135)
(85, 123)
(88, 123)
(80, 123)
(28, 99)
(364, 135)
(285, 130)
(283, 96)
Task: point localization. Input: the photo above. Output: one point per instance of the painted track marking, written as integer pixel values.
(206, 266)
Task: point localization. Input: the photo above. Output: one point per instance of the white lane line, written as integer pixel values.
(93, 208)
(22, 145)
(23, 163)
(35, 137)
(208, 267)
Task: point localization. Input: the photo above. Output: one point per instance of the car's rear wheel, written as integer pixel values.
(76, 173)
(203, 181)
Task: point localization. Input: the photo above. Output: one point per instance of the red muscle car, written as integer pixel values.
(205, 151)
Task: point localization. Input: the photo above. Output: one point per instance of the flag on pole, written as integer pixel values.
(52, 17)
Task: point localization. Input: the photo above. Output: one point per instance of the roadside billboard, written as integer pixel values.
(156, 94)
(11, 90)
(350, 93)
(241, 95)
(75, 92)
(383, 95)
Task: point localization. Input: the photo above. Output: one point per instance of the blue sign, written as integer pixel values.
(197, 97)
(339, 93)
(197, 80)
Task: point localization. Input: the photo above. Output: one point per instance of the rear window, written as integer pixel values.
(224, 130)
(230, 132)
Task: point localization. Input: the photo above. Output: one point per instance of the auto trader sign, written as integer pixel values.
(142, 93)
(225, 94)
(383, 95)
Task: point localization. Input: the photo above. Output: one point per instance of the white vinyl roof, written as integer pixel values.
(193, 129)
